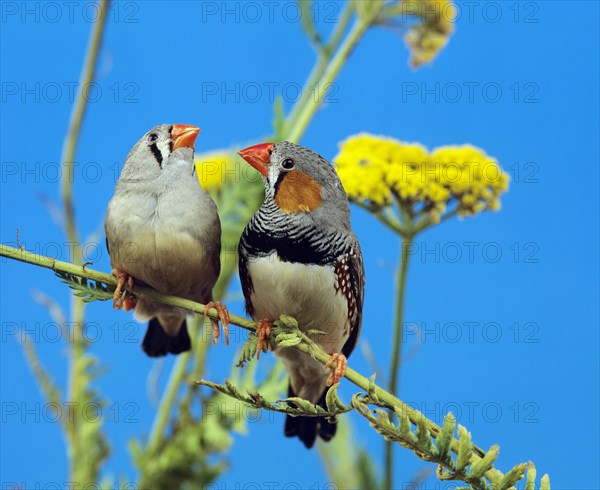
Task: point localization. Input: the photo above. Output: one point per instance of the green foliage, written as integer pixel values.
(285, 333)
(192, 435)
(86, 289)
(293, 406)
(43, 377)
(469, 466)
(193, 451)
(443, 444)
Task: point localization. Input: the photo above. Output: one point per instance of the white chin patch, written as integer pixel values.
(182, 156)
(273, 176)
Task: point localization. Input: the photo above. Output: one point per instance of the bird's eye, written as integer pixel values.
(152, 137)
(288, 164)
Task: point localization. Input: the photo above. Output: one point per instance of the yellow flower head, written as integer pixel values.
(360, 165)
(376, 171)
(473, 178)
(426, 39)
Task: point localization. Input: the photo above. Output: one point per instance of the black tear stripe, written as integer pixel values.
(157, 154)
(280, 178)
(170, 140)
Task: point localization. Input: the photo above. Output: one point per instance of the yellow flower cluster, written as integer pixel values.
(426, 39)
(377, 171)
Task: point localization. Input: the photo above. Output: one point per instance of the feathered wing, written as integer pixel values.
(357, 284)
(245, 279)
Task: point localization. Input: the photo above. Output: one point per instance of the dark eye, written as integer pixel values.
(152, 137)
(288, 164)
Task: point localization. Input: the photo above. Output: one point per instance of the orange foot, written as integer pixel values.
(223, 316)
(119, 301)
(339, 370)
(263, 331)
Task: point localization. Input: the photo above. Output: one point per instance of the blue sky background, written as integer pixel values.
(524, 375)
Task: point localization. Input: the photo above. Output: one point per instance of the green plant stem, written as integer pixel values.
(308, 347)
(426, 222)
(398, 324)
(110, 280)
(80, 469)
(200, 348)
(299, 123)
(178, 374)
(75, 123)
(397, 345)
(324, 57)
(385, 216)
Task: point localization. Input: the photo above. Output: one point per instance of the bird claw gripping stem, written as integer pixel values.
(120, 300)
(223, 316)
(338, 372)
(263, 331)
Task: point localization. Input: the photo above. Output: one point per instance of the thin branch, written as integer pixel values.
(72, 138)
(43, 377)
(385, 216)
(166, 403)
(293, 406)
(426, 221)
(323, 59)
(111, 281)
(287, 334)
(394, 374)
(83, 464)
(330, 72)
(307, 345)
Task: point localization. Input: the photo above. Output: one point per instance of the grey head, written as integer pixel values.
(163, 151)
(301, 183)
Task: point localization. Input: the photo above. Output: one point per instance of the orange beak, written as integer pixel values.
(258, 156)
(184, 136)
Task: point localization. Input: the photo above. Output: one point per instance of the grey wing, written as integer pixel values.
(245, 279)
(356, 298)
(217, 253)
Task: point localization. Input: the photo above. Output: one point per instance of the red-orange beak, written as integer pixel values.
(184, 135)
(258, 156)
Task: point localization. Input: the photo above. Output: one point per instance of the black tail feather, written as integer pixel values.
(307, 428)
(157, 343)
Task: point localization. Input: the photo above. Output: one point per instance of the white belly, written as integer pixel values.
(305, 292)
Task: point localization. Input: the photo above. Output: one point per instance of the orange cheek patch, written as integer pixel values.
(298, 192)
